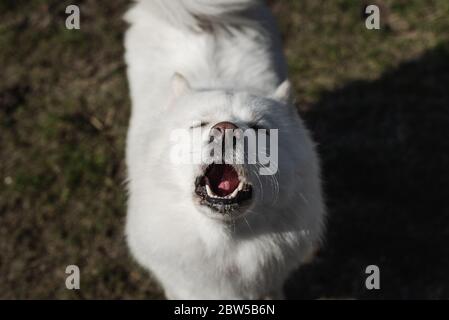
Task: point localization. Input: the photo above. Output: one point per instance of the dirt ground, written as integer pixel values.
(376, 101)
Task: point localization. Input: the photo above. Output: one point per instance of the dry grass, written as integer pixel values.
(376, 101)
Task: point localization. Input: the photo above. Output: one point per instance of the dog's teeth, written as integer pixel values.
(209, 191)
(234, 193)
(211, 194)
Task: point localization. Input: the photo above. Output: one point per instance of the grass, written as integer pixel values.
(376, 102)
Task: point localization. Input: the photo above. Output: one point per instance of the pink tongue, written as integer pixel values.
(228, 182)
(226, 186)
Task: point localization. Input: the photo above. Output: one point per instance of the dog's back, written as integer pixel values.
(225, 44)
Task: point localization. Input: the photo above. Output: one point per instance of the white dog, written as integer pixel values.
(215, 231)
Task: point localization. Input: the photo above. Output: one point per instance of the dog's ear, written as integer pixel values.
(283, 92)
(180, 85)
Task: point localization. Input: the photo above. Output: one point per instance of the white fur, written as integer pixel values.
(229, 53)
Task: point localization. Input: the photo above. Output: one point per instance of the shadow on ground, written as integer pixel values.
(385, 151)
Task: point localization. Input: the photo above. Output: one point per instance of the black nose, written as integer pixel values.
(222, 126)
(218, 132)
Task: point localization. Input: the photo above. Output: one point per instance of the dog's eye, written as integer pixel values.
(199, 124)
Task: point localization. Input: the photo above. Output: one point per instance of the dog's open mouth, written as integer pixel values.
(223, 187)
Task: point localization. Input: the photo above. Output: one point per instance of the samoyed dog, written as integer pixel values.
(215, 227)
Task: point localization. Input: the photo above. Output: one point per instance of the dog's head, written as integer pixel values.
(236, 152)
